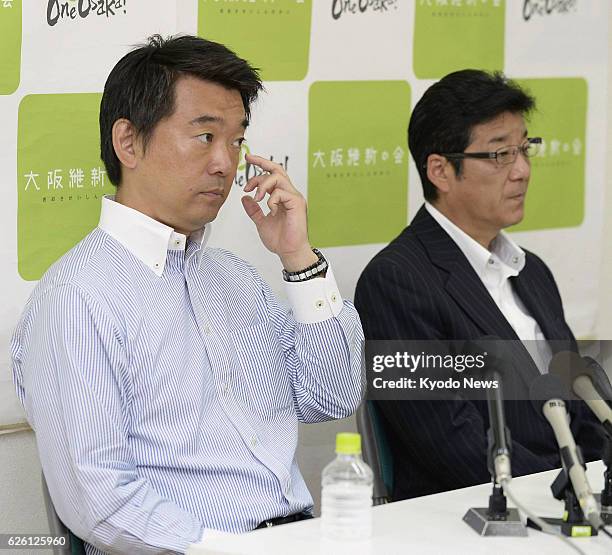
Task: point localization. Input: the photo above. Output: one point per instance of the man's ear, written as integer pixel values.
(125, 143)
(439, 172)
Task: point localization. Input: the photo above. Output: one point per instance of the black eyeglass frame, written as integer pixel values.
(494, 155)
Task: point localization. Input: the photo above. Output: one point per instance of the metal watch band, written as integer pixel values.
(310, 272)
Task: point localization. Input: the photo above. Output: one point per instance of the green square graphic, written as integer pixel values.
(556, 193)
(10, 45)
(451, 35)
(273, 35)
(60, 177)
(357, 161)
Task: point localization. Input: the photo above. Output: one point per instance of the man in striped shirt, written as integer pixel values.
(164, 380)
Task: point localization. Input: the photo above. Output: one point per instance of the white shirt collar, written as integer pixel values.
(503, 249)
(146, 238)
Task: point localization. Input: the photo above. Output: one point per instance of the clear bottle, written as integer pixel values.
(346, 497)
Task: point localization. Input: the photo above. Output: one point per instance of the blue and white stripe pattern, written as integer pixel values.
(166, 404)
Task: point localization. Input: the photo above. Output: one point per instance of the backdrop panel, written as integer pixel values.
(341, 78)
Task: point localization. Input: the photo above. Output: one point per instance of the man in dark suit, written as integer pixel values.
(453, 274)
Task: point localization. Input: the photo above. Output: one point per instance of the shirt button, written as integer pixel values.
(207, 330)
(253, 441)
(515, 260)
(320, 303)
(491, 261)
(334, 298)
(224, 387)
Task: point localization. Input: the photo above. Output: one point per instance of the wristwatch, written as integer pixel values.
(314, 270)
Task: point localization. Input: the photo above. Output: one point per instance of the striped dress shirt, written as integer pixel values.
(165, 383)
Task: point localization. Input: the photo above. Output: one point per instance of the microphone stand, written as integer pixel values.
(573, 524)
(496, 519)
(604, 388)
(602, 384)
(606, 492)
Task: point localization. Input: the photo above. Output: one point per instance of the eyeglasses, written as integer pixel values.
(504, 155)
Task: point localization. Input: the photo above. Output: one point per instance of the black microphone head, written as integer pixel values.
(544, 388)
(599, 377)
(567, 366)
(496, 359)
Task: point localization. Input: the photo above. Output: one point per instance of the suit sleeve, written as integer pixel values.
(449, 435)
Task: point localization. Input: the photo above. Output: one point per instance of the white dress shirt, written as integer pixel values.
(165, 383)
(494, 268)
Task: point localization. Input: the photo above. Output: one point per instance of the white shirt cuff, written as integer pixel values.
(314, 300)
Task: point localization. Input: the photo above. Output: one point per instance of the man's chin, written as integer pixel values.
(206, 217)
(515, 218)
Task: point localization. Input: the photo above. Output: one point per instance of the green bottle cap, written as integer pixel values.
(348, 444)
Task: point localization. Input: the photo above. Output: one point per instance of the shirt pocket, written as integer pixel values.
(265, 374)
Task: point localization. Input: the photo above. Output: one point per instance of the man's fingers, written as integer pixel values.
(254, 182)
(252, 209)
(265, 164)
(257, 182)
(269, 184)
(274, 200)
(266, 183)
(284, 199)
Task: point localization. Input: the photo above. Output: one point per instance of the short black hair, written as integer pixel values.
(444, 117)
(141, 87)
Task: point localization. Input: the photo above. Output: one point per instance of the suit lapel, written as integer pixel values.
(472, 296)
(525, 285)
(462, 282)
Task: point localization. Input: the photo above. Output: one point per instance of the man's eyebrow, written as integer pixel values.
(205, 118)
(499, 139)
(504, 138)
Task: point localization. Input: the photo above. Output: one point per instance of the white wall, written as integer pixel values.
(21, 503)
(605, 313)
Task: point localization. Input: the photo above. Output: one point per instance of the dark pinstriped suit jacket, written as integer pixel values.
(421, 286)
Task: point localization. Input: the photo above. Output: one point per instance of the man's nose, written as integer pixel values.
(221, 160)
(521, 167)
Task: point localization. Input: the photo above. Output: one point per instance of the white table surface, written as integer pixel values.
(425, 525)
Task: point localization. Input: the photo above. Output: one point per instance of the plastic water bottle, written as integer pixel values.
(346, 498)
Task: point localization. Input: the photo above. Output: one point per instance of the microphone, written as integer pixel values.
(499, 439)
(585, 389)
(497, 519)
(588, 379)
(500, 448)
(546, 393)
(500, 443)
(600, 378)
(589, 387)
